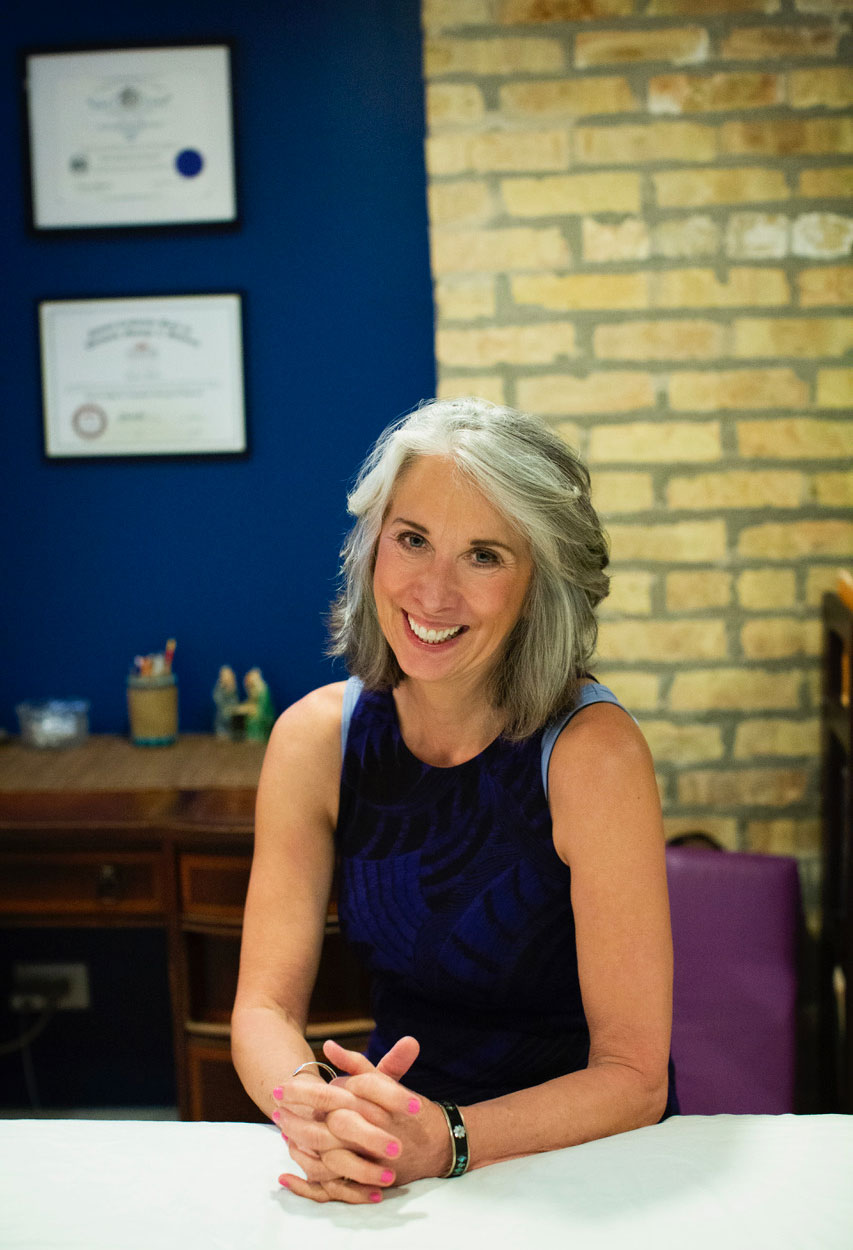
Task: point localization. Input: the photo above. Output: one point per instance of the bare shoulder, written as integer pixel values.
(601, 780)
(303, 755)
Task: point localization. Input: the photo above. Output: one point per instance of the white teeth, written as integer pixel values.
(431, 635)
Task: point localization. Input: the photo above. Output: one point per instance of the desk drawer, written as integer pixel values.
(63, 883)
(213, 887)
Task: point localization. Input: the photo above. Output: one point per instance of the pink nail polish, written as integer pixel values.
(414, 1106)
(284, 1182)
(283, 1138)
(392, 1149)
(276, 1115)
(387, 1177)
(375, 1196)
(278, 1093)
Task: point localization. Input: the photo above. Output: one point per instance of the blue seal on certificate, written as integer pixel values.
(189, 163)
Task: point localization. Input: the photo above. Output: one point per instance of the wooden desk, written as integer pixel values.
(110, 835)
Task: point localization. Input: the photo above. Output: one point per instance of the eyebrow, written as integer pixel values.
(475, 542)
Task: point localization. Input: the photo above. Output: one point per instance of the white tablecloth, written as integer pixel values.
(696, 1183)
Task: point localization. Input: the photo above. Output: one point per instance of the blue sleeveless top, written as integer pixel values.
(452, 893)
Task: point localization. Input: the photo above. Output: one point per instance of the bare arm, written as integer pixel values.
(607, 828)
(288, 893)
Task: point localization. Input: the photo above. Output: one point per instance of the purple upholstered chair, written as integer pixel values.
(735, 928)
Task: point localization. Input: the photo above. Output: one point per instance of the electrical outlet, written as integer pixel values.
(29, 982)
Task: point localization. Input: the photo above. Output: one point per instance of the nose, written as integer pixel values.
(435, 589)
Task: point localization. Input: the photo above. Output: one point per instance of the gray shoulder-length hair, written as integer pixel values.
(541, 486)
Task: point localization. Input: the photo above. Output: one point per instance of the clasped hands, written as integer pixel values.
(361, 1133)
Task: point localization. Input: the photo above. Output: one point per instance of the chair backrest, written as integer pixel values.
(735, 926)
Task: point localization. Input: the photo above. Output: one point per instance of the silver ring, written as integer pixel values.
(314, 1063)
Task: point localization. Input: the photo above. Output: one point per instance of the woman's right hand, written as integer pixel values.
(321, 1132)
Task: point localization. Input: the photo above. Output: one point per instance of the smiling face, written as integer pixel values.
(450, 578)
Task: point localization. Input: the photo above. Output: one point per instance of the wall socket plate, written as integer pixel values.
(28, 978)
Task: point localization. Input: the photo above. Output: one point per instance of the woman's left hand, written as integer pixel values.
(366, 1132)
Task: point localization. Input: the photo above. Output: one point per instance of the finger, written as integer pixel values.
(377, 1088)
(354, 1167)
(350, 1061)
(313, 1167)
(399, 1058)
(311, 1136)
(335, 1190)
(354, 1129)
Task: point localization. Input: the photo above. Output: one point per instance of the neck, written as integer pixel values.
(445, 726)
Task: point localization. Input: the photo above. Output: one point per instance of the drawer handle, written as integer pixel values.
(109, 886)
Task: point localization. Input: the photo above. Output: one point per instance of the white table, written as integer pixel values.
(696, 1183)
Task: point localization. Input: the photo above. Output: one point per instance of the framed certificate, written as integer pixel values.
(144, 376)
(130, 137)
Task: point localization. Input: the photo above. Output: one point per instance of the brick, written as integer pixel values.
(724, 829)
(572, 433)
(455, 203)
(821, 88)
(693, 592)
(819, 580)
(828, 284)
(829, 135)
(572, 193)
(649, 640)
(757, 236)
(711, 93)
(494, 345)
(743, 787)
(497, 151)
(822, 235)
(679, 46)
(736, 488)
(804, 337)
(622, 240)
(709, 8)
(638, 144)
(529, 11)
(659, 340)
(787, 540)
(783, 837)
(691, 391)
(568, 292)
(835, 388)
(780, 637)
(486, 386)
(655, 442)
(827, 182)
(453, 104)
(813, 684)
(795, 438)
(760, 590)
(701, 288)
(732, 689)
(686, 237)
(492, 56)
(564, 394)
(442, 14)
(823, 6)
(776, 736)
(465, 300)
(677, 542)
(769, 43)
(622, 492)
(568, 97)
(833, 490)
(683, 744)
(497, 251)
(630, 593)
(697, 188)
(638, 691)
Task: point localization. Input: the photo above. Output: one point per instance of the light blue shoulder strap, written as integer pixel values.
(594, 692)
(352, 690)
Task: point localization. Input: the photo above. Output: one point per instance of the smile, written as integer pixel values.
(432, 636)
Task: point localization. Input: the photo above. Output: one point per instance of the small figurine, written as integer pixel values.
(225, 698)
(258, 706)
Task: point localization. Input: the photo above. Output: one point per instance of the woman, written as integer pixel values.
(496, 821)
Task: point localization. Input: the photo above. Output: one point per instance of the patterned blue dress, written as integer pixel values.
(452, 893)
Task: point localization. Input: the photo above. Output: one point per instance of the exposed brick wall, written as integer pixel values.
(641, 229)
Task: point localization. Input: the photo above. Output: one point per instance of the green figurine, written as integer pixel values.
(258, 707)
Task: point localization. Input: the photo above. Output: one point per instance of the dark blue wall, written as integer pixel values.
(235, 558)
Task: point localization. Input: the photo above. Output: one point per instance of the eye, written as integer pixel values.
(409, 540)
(485, 557)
